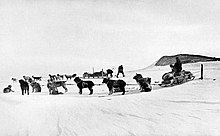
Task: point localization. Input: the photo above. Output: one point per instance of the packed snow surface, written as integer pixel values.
(192, 108)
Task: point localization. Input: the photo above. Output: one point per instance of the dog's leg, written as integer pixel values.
(39, 88)
(141, 88)
(91, 91)
(123, 90)
(55, 91)
(110, 91)
(80, 90)
(49, 91)
(139, 85)
(64, 87)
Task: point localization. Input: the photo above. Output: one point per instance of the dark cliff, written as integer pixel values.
(185, 58)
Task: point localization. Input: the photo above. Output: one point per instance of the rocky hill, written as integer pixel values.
(185, 58)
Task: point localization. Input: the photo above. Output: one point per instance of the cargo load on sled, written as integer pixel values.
(171, 78)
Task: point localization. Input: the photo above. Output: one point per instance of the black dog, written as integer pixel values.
(116, 85)
(144, 83)
(24, 86)
(84, 84)
(136, 78)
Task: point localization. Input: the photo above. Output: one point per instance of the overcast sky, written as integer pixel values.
(72, 36)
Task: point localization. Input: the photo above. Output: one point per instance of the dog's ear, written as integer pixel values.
(21, 80)
(77, 78)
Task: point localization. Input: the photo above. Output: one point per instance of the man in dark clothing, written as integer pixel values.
(8, 89)
(177, 67)
(109, 72)
(120, 70)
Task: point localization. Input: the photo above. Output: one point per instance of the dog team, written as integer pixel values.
(55, 81)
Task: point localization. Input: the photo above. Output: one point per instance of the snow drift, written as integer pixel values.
(192, 108)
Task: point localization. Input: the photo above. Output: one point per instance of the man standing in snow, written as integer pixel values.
(8, 89)
(120, 70)
(177, 67)
(109, 72)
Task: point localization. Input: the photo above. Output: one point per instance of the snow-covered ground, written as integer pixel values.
(192, 108)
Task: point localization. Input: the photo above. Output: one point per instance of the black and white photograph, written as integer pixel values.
(109, 67)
